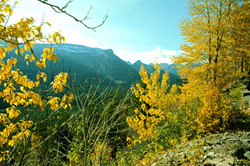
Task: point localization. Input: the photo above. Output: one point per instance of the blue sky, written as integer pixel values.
(135, 29)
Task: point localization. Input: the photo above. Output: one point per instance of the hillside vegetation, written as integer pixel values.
(49, 117)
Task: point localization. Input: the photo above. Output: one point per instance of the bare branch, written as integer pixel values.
(59, 9)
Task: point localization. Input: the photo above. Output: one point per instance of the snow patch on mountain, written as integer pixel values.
(78, 49)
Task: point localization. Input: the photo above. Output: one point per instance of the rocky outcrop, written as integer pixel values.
(223, 149)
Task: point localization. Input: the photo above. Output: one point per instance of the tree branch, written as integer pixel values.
(58, 9)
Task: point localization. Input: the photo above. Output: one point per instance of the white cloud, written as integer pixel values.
(124, 55)
(168, 52)
(157, 55)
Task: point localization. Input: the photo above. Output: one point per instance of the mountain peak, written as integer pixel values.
(138, 62)
(110, 51)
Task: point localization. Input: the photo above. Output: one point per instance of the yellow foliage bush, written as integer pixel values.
(154, 102)
(18, 90)
(157, 112)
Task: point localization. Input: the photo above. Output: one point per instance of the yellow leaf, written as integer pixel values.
(10, 11)
(44, 79)
(11, 143)
(26, 47)
(22, 88)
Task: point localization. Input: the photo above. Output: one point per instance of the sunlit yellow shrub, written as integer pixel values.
(206, 109)
(154, 101)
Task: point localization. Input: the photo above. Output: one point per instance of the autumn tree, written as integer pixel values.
(17, 89)
(240, 36)
(211, 57)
